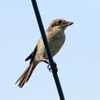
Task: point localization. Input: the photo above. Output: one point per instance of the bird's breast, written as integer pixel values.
(56, 42)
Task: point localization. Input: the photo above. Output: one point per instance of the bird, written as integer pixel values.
(55, 34)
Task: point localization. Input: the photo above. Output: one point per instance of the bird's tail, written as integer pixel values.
(26, 75)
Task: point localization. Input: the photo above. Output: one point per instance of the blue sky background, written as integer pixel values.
(78, 61)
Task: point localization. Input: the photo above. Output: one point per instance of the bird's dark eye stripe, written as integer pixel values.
(59, 22)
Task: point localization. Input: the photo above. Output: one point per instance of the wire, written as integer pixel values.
(52, 63)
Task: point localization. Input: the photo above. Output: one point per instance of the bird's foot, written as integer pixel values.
(47, 62)
(49, 67)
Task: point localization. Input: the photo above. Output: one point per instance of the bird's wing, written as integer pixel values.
(32, 55)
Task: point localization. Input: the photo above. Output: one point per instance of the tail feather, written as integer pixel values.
(26, 75)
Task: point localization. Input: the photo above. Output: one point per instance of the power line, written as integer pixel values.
(52, 63)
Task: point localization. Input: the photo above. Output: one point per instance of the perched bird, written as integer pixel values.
(56, 38)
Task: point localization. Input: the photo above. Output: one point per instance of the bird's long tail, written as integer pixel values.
(26, 75)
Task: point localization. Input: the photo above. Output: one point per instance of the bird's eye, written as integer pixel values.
(59, 21)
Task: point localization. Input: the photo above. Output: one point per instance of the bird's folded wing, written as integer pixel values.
(32, 55)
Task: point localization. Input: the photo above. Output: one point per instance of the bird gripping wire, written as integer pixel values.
(52, 63)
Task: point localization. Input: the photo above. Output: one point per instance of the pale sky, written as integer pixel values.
(78, 61)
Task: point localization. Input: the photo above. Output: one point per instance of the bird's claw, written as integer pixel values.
(47, 62)
(49, 68)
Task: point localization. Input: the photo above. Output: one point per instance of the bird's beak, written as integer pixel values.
(70, 23)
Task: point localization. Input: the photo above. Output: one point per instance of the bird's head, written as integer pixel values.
(59, 24)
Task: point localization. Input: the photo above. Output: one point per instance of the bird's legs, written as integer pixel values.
(47, 62)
